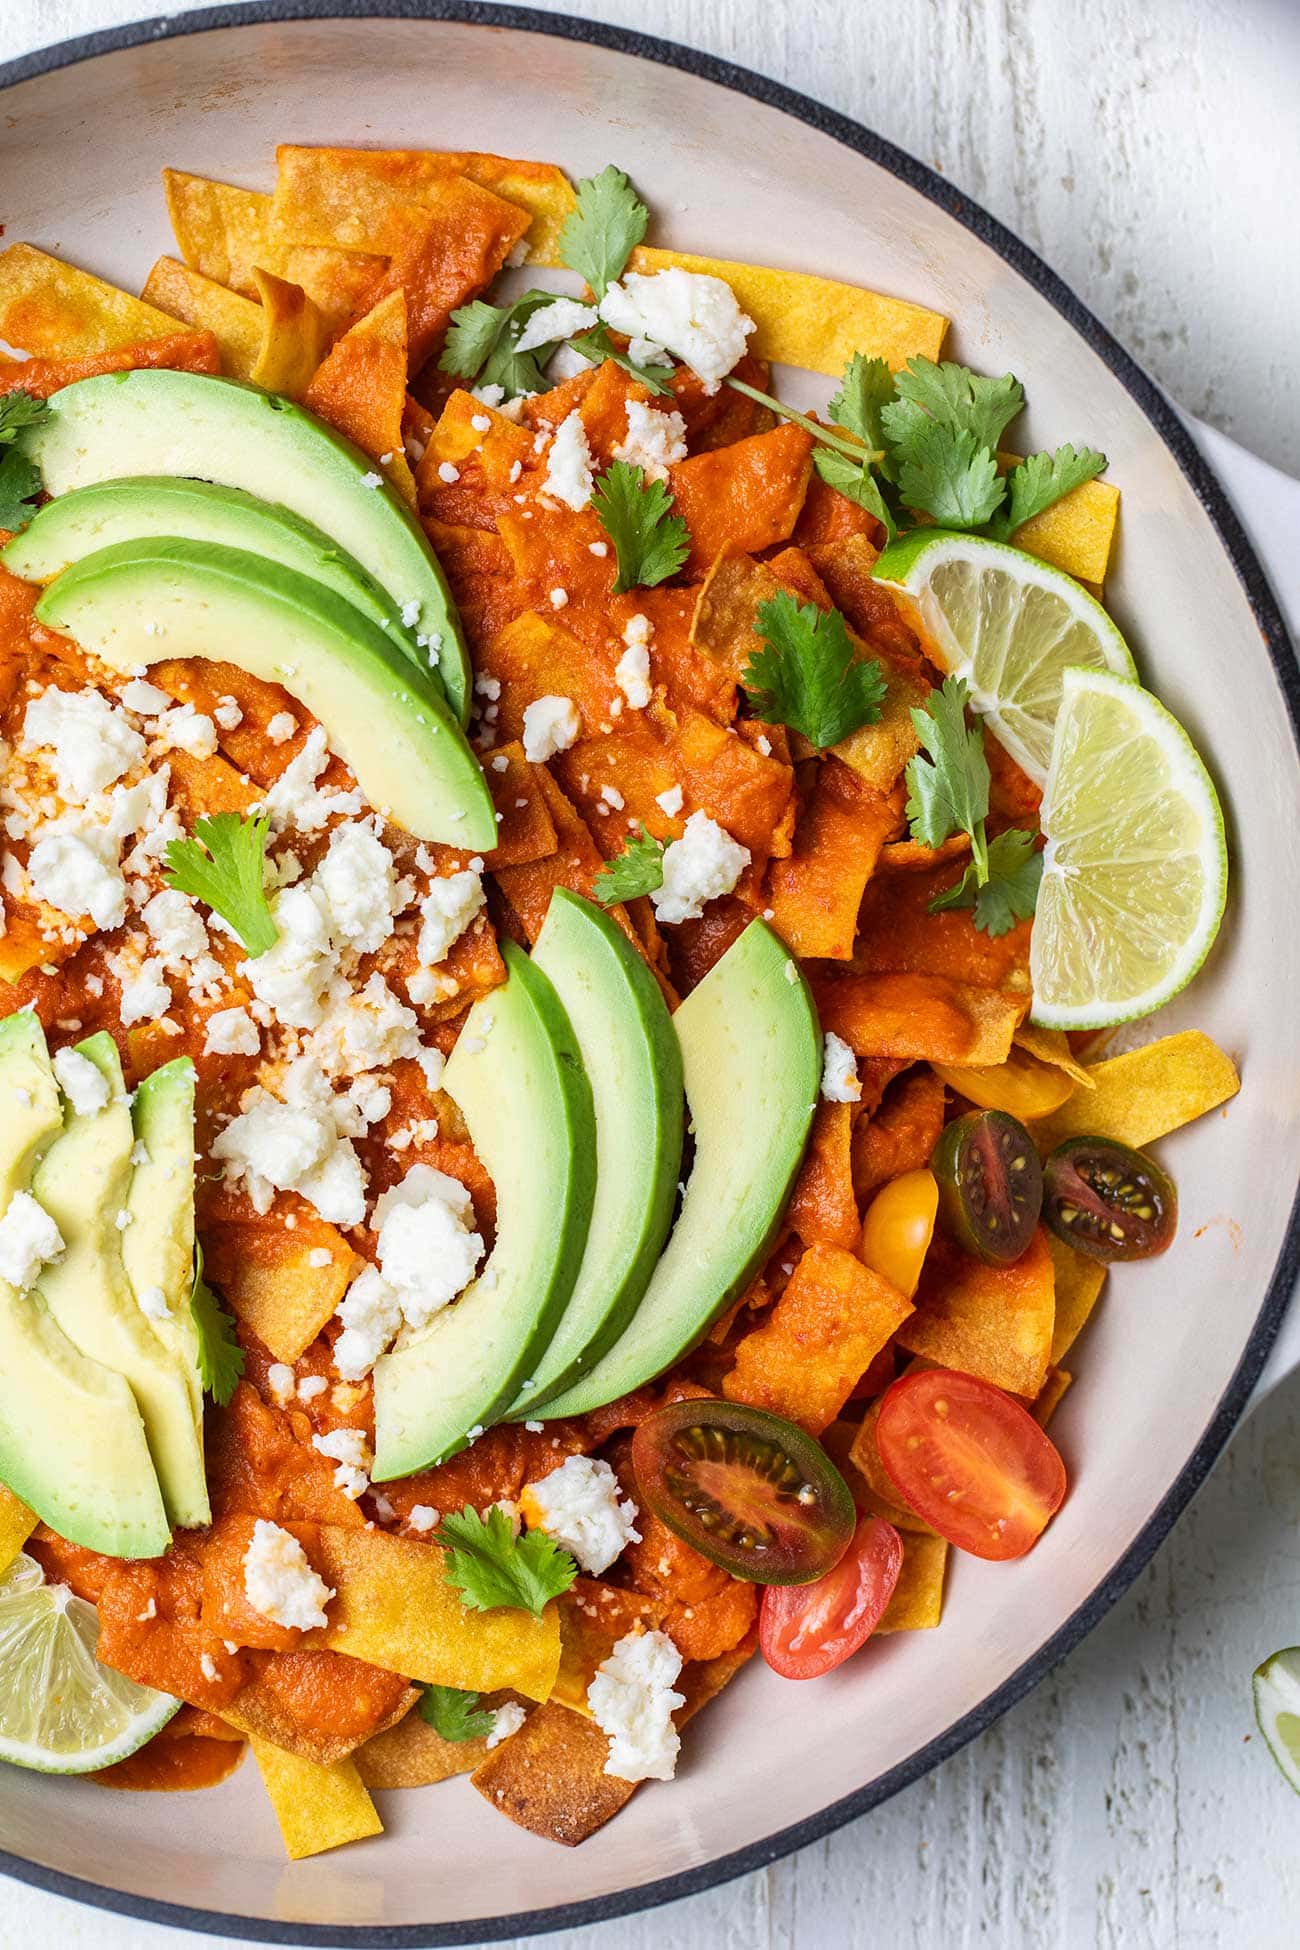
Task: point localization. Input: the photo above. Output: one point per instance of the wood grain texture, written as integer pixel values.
(1149, 149)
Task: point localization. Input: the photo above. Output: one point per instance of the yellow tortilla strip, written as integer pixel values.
(814, 322)
(1146, 1093)
(1053, 1046)
(285, 1300)
(235, 323)
(593, 1618)
(414, 1754)
(17, 1523)
(872, 1488)
(1076, 533)
(917, 1601)
(295, 337)
(53, 310)
(318, 1808)
(1079, 1281)
(395, 1608)
(1050, 1395)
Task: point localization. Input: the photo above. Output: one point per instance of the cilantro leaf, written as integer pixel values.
(491, 1567)
(602, 232)
(858, 483)
(220, 1357)
(19, 409)
(650, 541)
(638, 869)
(946, 473)
(1015, 868)
(955, 397)
(597, 345)
(865, 390)
(223, 865)
(480, 345)
(20, 483)
(948, 792)
(807, 675)
(1041, 480)
(471, 337)
(455, 1715)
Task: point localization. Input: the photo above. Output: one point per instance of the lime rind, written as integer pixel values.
(1010, 625)
(61, 1712)
(1276, 1686)
(1135, 869)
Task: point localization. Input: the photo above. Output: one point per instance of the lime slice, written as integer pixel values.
(1277, 1709)
(1010, 625)
(1135, 870)
(60, 1710)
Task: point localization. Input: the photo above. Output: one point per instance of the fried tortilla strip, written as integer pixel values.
(1146, 1093)
(900, 1135)
(360, 388)
(318, 1705)
(813, 322)
(916, 1604)
(235, 322)
(1049, 1396)
(897, 932)
(1076, 533)
(294, 337)
(575, 864)
(525, 829)
(822, 1204)
(414, 1754)
(267, 1277)
(318, 1808)
(872, 1488)
(593, 1618)
(992, 1321)
(749, 494)
(395, 1608)
(1053, 1046)
(832, 1320)
(815, 894)
(922, 1017)
(48, 308)
(183, 351)
(1079, 1281)
(17, 1523)
(550, 1776)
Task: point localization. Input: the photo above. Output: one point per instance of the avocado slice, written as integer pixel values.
(158, 1244)
(517, 1077)
(130, 423)
(634, 1066)
(83, 1182)
(72, 1444)
(139, 602)
(150, 505)
(751, 1053)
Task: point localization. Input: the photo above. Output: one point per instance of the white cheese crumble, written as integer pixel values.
(445, 912)
(693, 315)
(569, 475)
(145, 995)
(566, 362)
(176, 926)
(670, 801)
(509, 1718)
(654, 441)
(840, 1083)
(145, 699)
(92, 741)
(354, 1456)
(279, 1581)
(187, 730)
(281, 727)
(69, 871)
(551, 725)
(296, 1145)
(701, 866)
(559, 598)
(422, 1518)
(291, 977)
(427, 1247)
(360, 886)
(153, 1301)
(29, 1239)
(632, 1701)
(279, 1379)
(227, 713)
(562, 320)
(296, 800)
(632, 672)
(231, 1032)
(82, 1082)
(447, 473)
(579, 1505)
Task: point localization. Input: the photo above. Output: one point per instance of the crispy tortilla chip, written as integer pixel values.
(1146, 1093)
(1052, 1046)
(879, 752)
(896, 931)
(317, 1807)
(832, 1320)
(992, 1321)
(320, 1706)
(17, 1523)
(574, 864)
(1076, 533)
(815, 894)
(49, 308)
(593, 1618)
(1049, 1396)
(361, 388)
(748, 495)
(265, 1274)
(922, 1017)
(236, 323)
(525, 831)
(823, 1205)
(414, 1754)
(295, 334)
(814, 322)
(900, 1135)
(1079, 1281)
(395, 1608)
(917, 1601)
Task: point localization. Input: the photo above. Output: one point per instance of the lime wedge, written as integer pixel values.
(1277, 1709)
(60, 1710)
(1007, 623)
(1135, 870)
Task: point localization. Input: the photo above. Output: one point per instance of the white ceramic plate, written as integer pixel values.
(740, 167)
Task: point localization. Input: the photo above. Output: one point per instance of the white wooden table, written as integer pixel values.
(1149, 149)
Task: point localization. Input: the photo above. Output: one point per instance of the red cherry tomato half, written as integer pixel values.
(970, 1460)
(805, 1630)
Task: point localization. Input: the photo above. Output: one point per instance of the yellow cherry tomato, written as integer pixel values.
(898, 1228)
(1022, 1085)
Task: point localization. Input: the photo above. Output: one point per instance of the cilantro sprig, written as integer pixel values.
(650, 541)
(491, 1567)
(637, 870)
(948, 792)
(20, 479)
(455, 1715)
(604, 229)
(220, 1357)
(597, 345)
(223, 865)
(807, 675)
(481, 342)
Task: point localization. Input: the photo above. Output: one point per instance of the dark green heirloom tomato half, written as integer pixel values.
(749, 1490)
(1108, 1200)
(990, 1184)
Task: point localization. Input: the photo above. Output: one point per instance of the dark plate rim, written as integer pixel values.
(1268, 617)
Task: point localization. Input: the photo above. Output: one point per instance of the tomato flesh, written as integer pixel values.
(749, 1490)
(805, 1630)
(990, 1184)
(970, 1460)
(1109, 1201)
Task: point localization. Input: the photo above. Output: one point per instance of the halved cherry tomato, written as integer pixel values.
(898, 1228)
(970, 1460)
(807, 1629)
(990, 1184)
(749, 1490)
(1107, 1200)
(1022, 1085)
